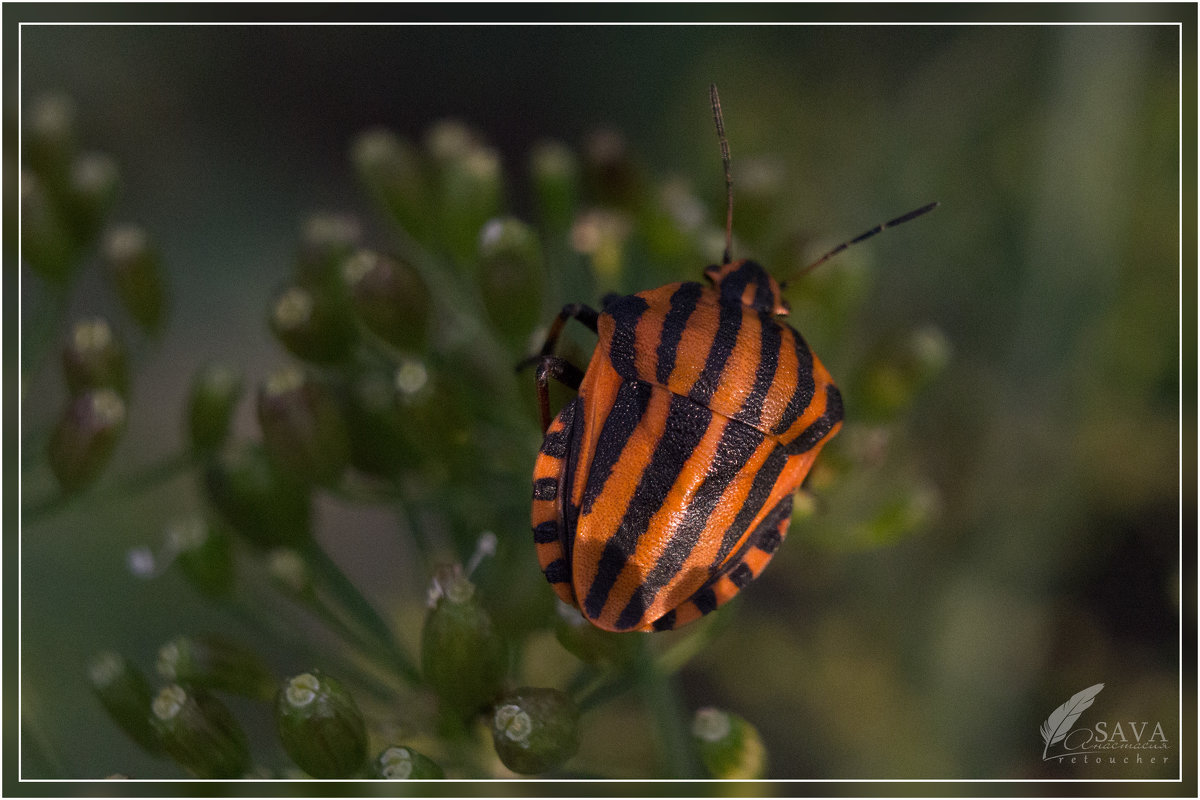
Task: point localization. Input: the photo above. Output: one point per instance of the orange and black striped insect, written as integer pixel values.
(666, 485)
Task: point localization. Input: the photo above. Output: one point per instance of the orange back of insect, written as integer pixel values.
(698, 417)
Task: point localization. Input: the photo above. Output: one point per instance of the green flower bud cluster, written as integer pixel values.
(319, 724)
(96, 373)
(398, 392)
(93, 358)
(362, 398)
(464, 661)
(66, 193)
(448, 197)
(184, 720)
(67, 197)
(214, 661)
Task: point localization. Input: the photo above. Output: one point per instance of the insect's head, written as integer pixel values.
(748, 283)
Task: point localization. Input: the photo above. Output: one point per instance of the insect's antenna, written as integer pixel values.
(891, 223)
(720, 123)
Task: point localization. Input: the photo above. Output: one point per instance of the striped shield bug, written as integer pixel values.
(665, 486)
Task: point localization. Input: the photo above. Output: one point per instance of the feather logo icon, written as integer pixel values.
(1059, 723)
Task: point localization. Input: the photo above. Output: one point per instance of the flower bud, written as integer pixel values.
(204, 553)
(135, 270)
(462, 653)
(510, 275)
(85, 437)
(470, 186)
(449, 139)
(601, 235)
(390, 298)
(213, 661)
(93, 358)
(327, 241)
(380, 420)
(320, 726)
(404, 763)
(125, 695)
(312, 324)
(214, 394)
(290, 572)
(729, 746)
(50, 138)
(91, 192)
(587, 642)
(47, 245)
(263, 504)
(302, 428)
(535, 730)
(609, 171)
(555, 171)
(390, 167)
(198, 731)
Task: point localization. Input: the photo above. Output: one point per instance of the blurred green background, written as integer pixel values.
(1036, 478)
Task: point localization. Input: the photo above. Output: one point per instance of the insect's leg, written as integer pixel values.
(580, 311)
(584, 313)
(741, 568)
(560, 370)
(551, 366)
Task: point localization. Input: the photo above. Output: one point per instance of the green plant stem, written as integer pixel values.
(367, 646)
(590, 690)
(360, 610)
(677, 656)
(140, 480)
(255, 615)
(407, 522)
(660, 695)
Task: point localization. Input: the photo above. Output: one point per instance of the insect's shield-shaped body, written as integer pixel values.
(666, 485)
